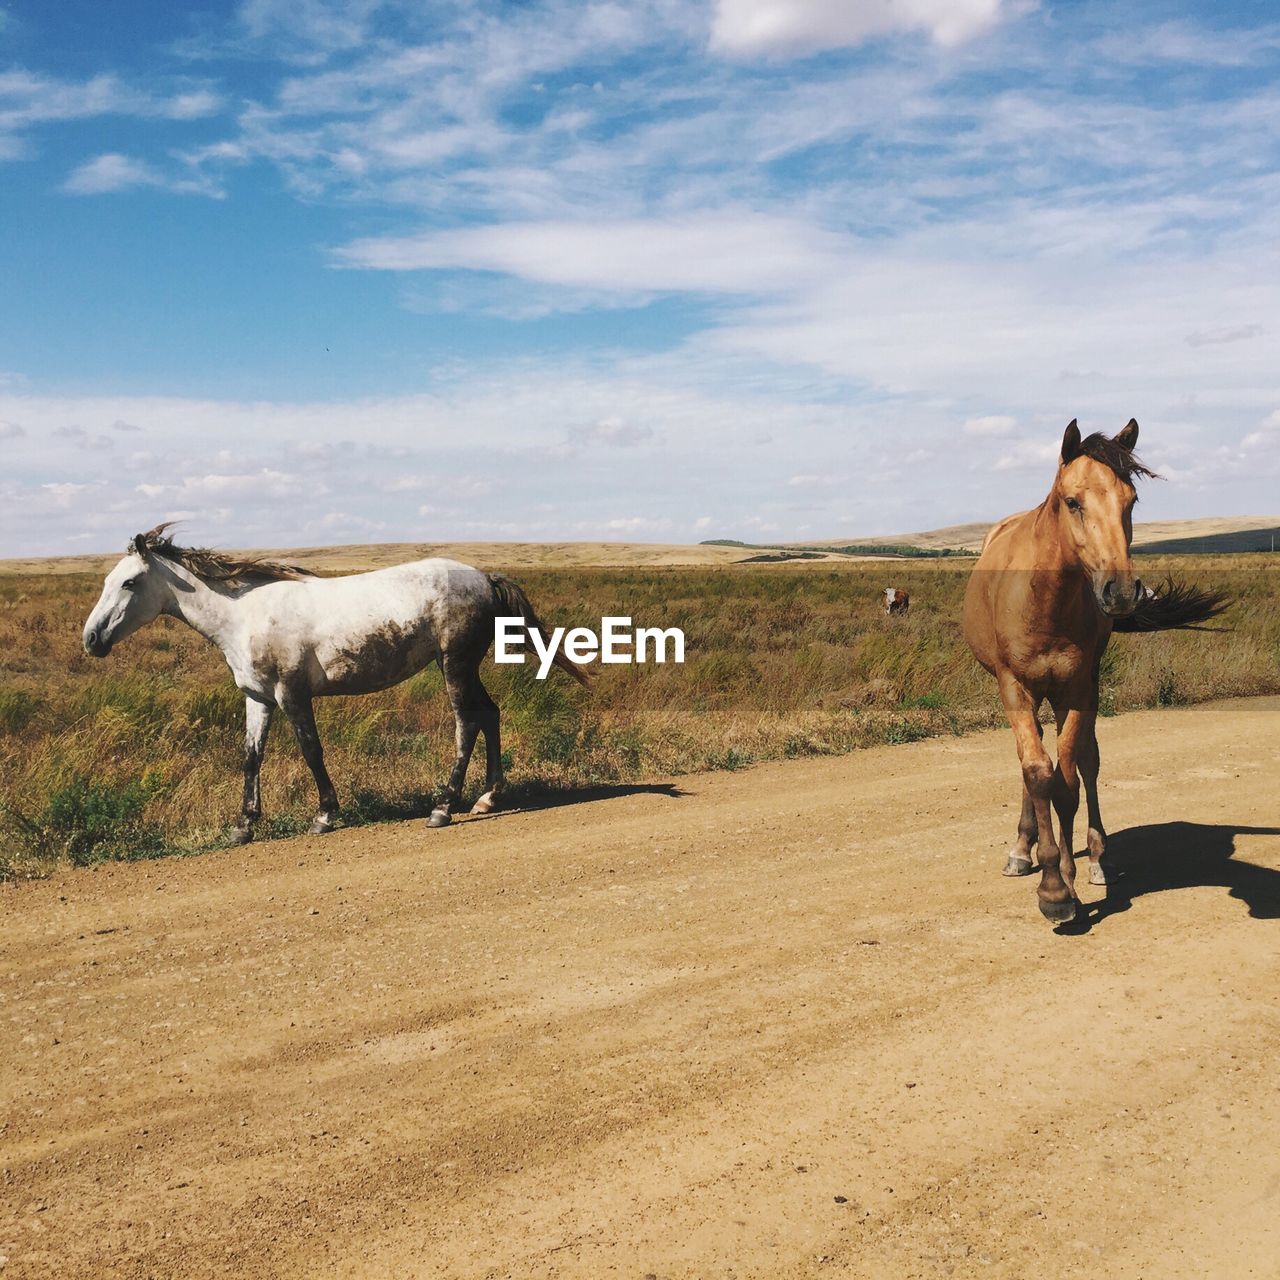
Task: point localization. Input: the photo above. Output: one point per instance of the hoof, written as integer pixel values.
(321, 826)
(1058, 912)
(1017, 867)
(439, 818)
(241, 835)
(1096, 874)
(485, 804)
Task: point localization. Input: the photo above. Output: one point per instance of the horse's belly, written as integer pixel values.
(377, 661)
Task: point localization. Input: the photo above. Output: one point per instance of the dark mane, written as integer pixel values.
(214, 566)
(1124, 462)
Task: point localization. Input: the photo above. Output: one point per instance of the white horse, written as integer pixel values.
(289, 637)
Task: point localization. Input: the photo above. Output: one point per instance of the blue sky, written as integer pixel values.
(301, 272)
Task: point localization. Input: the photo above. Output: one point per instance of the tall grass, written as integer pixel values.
(140, 753)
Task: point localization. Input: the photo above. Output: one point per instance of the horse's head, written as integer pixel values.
(1093, 496)
(135, 592)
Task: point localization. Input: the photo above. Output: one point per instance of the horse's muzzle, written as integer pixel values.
(95, 646)
(1119, 600)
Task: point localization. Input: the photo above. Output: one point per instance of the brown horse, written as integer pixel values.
(1050, 587)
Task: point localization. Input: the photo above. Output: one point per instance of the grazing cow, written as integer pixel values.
(896, 601)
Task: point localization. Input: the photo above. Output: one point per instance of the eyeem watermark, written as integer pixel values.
(616, 642)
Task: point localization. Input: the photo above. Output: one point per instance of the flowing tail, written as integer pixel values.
(1174, 605)
(511, 602)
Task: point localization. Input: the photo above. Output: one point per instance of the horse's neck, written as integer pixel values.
(1052, 557)
(211, 613)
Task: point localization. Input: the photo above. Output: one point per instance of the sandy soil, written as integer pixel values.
(785, 1022)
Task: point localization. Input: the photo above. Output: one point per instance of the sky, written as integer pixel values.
(299, 272)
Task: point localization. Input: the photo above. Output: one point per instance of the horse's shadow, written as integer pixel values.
(1180, 855)
(526, 798)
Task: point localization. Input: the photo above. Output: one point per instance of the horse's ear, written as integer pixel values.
(1070, 442)
(1128, 435)
(138, 544)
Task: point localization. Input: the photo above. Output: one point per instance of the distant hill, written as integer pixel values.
(1222, 534)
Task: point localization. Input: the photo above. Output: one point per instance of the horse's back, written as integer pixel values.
(366, 631)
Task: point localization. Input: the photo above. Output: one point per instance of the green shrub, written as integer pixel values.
(87, 821)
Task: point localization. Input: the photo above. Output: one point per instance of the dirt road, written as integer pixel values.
(779, 1023)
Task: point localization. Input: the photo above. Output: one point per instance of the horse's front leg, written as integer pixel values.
(1018, 862)
(257, 723)
(1072, 725)
(1057, 902)
(301, 716)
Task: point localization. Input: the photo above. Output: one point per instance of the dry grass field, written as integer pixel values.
(139, 754)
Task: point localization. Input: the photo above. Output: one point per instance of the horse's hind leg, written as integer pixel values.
(1090, 762)
(489, 726)
(302, 718)
(467, 697)
(257, 722)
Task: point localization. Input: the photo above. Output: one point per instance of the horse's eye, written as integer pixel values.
(1072, 504)
(129, 584)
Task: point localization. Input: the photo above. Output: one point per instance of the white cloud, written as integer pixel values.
(407, 484)
(344, 522)
(11, 431)
(1191, 43)
(711, 252)
(65, 492)
(476, 443)
(1220, 337)
(82, 438)
(612, 432)
(1030, 455)
(322, 24)
(753, 27)
(111, 172)
(242, 486)
(996, 424)
(29, 99)
(192, 106)
(626, 524)
(1267, 434)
